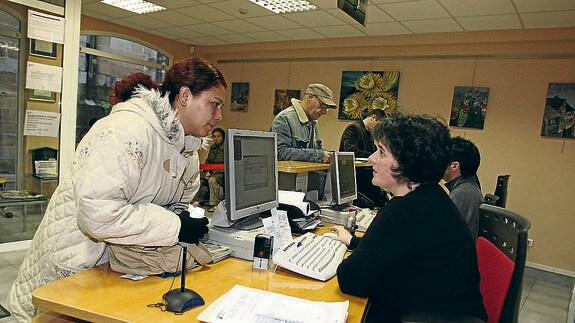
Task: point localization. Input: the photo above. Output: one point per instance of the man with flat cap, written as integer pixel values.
(296, 127)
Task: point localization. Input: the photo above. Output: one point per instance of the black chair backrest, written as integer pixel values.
(501, 190)
(508, 231)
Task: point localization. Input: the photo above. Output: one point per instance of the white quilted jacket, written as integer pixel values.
(126, 168)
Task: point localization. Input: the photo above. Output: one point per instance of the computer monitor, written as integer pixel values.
(251, 178)
(343, 181)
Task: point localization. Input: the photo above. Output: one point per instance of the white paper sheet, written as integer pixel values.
(41, 123)
(277, 225)
(243, 304)
(45, 27)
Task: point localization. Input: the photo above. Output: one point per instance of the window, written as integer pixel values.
(10, 42)
(105, 59)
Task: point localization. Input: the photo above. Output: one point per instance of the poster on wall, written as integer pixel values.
(363, 91)
(282, 99)
(240, 95)
(469, 107)
(559, 116)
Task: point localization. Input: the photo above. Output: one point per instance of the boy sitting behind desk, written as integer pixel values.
(417, 255)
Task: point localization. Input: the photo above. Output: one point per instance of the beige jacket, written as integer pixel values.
(127, 167)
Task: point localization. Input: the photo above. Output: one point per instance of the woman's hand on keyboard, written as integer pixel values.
(343, 235)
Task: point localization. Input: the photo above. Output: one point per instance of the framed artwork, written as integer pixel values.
(559, 115)
(363, 91)
(43, 48)
(240, 95)
(469, 107)
(41, 95)
(282, 99)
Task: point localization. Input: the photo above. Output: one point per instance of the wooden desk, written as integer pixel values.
(100, 294)
(294, 166)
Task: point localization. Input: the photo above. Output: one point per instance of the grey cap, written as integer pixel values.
(323, 93)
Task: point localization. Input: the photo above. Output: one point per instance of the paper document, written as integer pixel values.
(244, 304)
(277, 226)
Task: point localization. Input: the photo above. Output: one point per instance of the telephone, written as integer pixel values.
(299, 222)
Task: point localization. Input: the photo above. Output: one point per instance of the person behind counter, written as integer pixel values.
(297, 127)
(131, 164)
(417, 255)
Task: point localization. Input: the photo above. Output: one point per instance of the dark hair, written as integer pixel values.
(221, 131)
(195, 73)
(420, 144)
(125, 88)
(466, 153)
(378, 113)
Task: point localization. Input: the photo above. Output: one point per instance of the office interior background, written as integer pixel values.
(513, 47)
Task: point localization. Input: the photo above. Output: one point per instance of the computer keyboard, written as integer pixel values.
(311, 255)
(363, 218)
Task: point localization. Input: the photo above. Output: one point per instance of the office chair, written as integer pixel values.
(501, 255)
(499, 198)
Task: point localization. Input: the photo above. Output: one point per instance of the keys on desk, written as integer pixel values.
(311, 255)
(363, 218)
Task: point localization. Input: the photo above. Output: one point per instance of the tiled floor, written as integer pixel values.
(547, 297)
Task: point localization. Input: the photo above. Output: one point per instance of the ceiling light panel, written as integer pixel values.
(285, 6)
(137, 6)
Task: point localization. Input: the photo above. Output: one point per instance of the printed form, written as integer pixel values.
(244, 304)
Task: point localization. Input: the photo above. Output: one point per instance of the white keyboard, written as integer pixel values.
(363, 218)
(311, 255)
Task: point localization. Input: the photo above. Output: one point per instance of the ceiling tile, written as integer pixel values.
(208, 29)
(459, 8)
(274, 22)
(339, 31)
(267, 36)
(233, 7)
(237, 38)
(238, 26)
(314, 19)
(547, 5)
(490, 22)
(375, 15)
(386, 28)
(206, 13)
(432, 25)
(300, 34)
(549, 19)
(415, 10)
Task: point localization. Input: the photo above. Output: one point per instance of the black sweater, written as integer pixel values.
(417, 255)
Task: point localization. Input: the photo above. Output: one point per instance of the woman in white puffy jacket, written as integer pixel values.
(133, 162)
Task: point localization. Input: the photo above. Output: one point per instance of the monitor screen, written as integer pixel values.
(251, 184)
(343, 182)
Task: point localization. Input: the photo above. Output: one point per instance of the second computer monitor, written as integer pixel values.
(343, 181)
(250, 172)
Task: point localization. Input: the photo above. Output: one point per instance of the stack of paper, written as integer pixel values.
(244, 304)
(217, 251)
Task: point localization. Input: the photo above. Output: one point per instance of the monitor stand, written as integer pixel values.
(220, 219)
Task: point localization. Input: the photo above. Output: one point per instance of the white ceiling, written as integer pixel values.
(219, 22)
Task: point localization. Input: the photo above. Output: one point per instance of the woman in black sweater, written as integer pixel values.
(417, 255)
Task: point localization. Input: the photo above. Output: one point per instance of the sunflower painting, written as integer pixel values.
(364, 91)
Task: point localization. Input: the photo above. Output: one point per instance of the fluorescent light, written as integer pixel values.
(137, 6)
(285, 6)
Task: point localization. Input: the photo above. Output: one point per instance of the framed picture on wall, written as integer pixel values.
(559, 116)
(41, 95)
(469, 107)
(282, 99)
(240, 95)
(43, 48)
(363, 91)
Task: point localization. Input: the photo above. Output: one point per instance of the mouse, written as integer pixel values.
(332, 235)
(179, 301)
